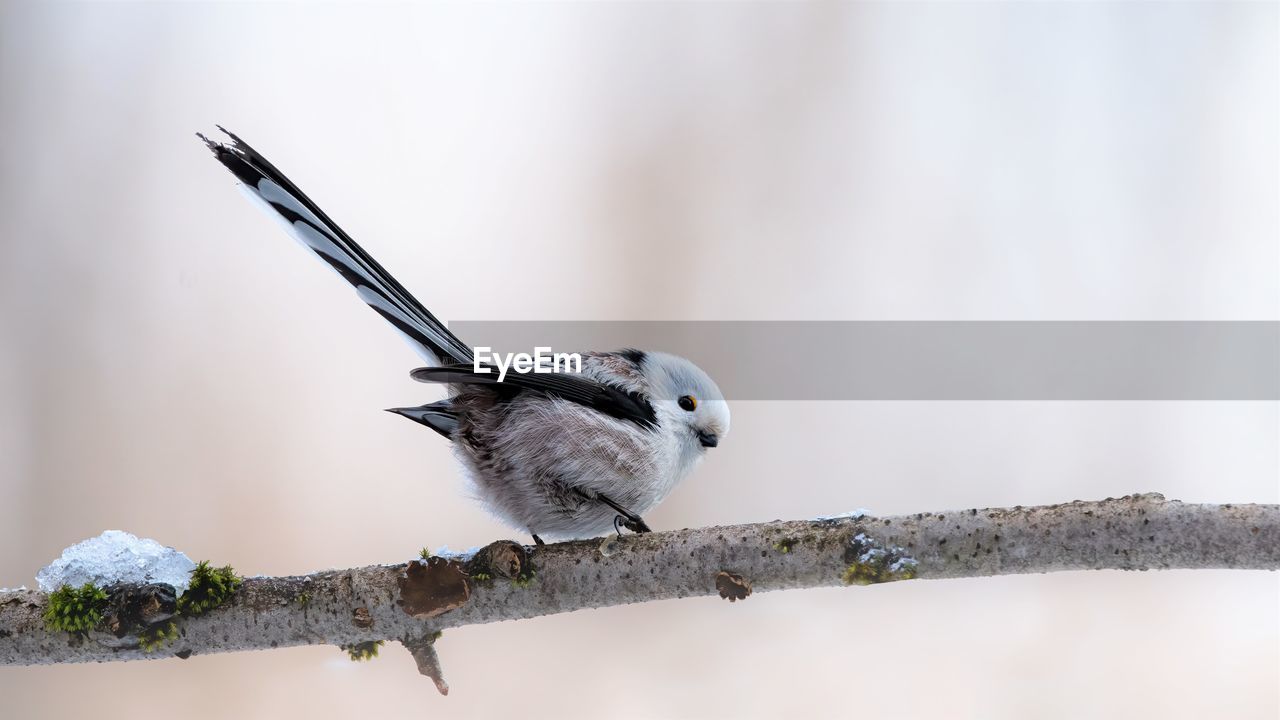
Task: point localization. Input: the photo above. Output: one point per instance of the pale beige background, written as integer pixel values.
(173, 365)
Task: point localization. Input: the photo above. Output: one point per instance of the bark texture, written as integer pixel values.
(411, 602)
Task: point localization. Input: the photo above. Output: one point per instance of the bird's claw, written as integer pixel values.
(634, 524)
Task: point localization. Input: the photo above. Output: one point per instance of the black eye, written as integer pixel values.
(688, 402)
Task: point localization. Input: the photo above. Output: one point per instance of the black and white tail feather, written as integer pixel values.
(269, 188)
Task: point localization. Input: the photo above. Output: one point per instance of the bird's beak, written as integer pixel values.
(708, 439)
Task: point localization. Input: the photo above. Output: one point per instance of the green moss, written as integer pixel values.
(873, 563)
(75, 610)
(481, 576)
(363, 651)
(872, 573)
(79, 610)
(303, 599)
(210, 587)
(157, 636)
(524, 579)
(784, 545)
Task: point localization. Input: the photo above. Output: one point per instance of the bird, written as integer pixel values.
(558, 455)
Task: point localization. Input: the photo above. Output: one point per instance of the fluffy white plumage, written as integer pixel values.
(540, 462)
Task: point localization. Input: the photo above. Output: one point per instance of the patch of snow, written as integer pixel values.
(872, 551)
(447, 554)
(902, 564)
(851, 515)
(872, 554)
(117, 557)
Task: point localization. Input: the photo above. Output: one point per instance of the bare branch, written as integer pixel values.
(411, 602)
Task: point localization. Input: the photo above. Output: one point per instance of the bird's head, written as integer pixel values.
(687, 399)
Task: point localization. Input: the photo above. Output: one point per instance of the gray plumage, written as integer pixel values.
(560, 455)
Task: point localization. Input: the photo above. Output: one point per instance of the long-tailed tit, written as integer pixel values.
(559, 454)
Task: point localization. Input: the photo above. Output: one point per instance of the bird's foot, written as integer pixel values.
(634, 523)
(625, 518)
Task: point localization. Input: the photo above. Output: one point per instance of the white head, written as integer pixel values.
(686, 400)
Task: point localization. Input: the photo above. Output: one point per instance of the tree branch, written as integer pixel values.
(411, 602)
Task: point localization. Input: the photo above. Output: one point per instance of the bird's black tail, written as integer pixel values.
(308, 223)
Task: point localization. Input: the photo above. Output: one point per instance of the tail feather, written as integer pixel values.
(269, 188)
(439, 416)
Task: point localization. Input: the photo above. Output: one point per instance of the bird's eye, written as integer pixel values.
(688, 402)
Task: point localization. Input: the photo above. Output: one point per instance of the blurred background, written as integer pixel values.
(175, 366)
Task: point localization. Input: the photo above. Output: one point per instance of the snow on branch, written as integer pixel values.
(412, 602)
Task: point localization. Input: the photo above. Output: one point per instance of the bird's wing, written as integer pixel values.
(610, 400)
(308, 224)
